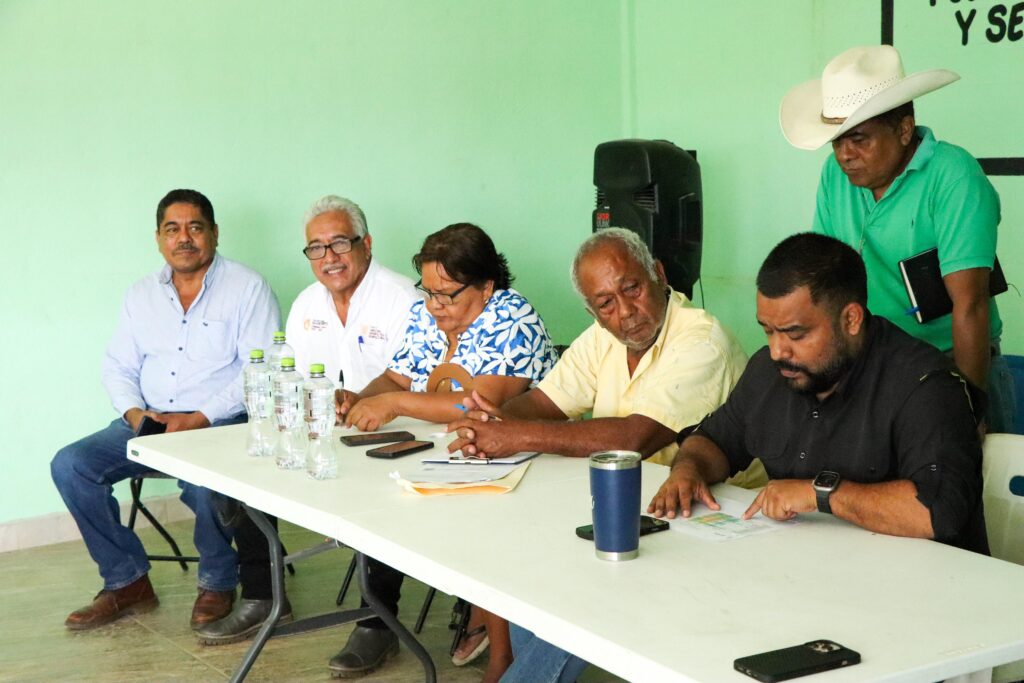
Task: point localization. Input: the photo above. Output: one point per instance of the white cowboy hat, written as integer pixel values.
(859, 84)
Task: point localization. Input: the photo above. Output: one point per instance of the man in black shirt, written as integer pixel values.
(849, 414)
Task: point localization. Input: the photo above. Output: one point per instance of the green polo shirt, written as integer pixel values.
(942, 199)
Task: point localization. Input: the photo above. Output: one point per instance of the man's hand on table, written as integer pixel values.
(784, 499)
(484, 432)
(479, 408)
(683, 486)
(182, 422)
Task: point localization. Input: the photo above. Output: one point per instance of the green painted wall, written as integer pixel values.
(424, 113)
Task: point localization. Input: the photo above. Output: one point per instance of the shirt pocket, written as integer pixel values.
(373, 354)
(775, 455)
(210, 340)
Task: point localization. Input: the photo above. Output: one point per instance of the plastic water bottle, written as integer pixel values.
(290, 450)
(259, 404)
(279, 351)
(318, 402)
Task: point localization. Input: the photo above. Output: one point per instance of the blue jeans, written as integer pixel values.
(85, 473)
(538, 661)
(1002, 400)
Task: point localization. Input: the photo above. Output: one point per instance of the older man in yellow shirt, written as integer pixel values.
(649, 366)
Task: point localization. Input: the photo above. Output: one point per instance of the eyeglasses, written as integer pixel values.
(342, 245)
(441, 297)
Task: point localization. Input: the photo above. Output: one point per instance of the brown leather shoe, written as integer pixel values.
(211, 606)
(135, 598)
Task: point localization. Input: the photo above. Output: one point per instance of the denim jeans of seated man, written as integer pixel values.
(85, 473)
(1000, 395)
(1001, 414)
(538, 661)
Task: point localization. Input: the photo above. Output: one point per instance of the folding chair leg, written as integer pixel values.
(424, 609)
(167, 537)
(135, 485)
(459, 623)
(347, 582)
(288, 565)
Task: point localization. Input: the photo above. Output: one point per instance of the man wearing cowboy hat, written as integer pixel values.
(892, 191)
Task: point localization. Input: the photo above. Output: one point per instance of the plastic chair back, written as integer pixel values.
(1004, 511)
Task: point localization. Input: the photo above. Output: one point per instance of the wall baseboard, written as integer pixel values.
(59, 527)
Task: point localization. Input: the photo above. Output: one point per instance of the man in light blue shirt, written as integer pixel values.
(176, 358)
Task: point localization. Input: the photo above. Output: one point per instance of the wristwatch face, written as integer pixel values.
(826, 480)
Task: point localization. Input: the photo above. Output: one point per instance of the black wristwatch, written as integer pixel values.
(824, 484)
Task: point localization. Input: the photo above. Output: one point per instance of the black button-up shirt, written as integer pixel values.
(902, 412)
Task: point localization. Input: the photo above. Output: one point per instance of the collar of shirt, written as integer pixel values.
(675, 300)
(465, 340)
(209, 277)
(849, 381)
(359, 297)
(922, 155)
(362, 293)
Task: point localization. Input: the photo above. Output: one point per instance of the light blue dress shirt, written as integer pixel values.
(168, 360)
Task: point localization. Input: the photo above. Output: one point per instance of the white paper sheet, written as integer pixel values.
(455, 474)
(726, 524)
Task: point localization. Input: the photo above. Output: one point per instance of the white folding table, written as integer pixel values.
(682, 611)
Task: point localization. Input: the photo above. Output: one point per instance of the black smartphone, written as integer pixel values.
(373, 439)
(149, 426)
(801, 660)
(397, 450)
(648, 525)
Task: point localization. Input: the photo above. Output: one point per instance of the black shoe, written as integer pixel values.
(246, 619)
(366, 650)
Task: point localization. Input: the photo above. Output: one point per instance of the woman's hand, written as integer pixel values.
(370, 414)
(343, 402)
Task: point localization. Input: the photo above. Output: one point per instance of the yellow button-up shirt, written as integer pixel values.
(686, 374)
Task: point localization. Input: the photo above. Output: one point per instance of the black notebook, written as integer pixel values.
(928, 296)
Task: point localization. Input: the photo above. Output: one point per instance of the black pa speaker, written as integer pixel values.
(653, 188)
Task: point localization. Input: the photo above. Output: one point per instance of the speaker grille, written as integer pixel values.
(646, 198)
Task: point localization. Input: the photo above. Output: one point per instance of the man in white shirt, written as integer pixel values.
(354, 317)
(353, 320)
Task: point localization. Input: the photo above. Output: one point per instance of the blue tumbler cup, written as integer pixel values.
(615, 503)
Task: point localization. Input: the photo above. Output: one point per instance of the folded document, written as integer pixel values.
(446, 480)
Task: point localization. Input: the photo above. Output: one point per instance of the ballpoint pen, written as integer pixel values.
(490, 418)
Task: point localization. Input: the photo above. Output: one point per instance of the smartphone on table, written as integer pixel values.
(801, 660)
(397, 450)
(648, 525)
(374, 439)
(148, 426)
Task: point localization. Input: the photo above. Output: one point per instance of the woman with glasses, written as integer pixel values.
(470, 317)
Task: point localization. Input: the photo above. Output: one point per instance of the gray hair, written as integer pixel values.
(627, 239)
(333, 202)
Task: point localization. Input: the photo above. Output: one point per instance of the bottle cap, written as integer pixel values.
(278, 336)
(288, 363)
(256, 353)
(316, 369)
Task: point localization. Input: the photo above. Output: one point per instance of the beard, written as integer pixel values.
(824, 378)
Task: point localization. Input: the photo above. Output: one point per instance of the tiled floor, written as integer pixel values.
(39, 587)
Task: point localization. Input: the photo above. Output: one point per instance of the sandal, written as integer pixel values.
(460, 624)
(484, 643)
